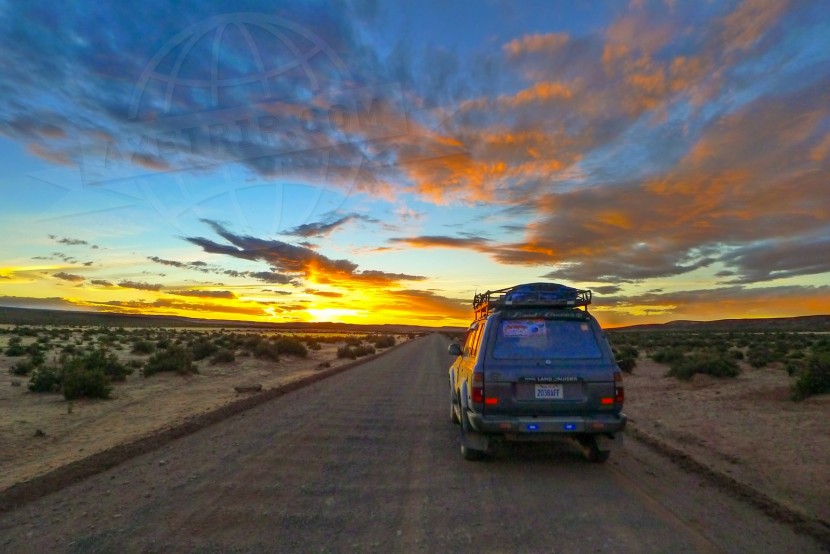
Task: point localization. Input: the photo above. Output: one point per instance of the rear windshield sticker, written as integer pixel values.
(523, 328)
(583, 327)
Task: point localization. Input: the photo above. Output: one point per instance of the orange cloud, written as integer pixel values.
(536, 43)
(538, 93)
(749, 22)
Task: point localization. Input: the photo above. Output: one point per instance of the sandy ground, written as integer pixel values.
(137, 407)
(744, 427)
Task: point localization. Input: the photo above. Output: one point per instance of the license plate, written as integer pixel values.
(549, 392)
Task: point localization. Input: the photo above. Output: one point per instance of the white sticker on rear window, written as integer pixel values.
(523, 328)
(583, 327)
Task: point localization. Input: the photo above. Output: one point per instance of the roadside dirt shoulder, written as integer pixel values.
(42, 432)
(745, 428)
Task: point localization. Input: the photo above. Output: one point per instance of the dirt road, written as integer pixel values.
(368, 460)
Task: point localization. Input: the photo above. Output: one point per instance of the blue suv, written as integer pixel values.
(535, 366)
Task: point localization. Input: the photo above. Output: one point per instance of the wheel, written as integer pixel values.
(592, 452)
(454, 410)
(470, 454)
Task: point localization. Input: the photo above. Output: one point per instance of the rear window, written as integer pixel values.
(522, 339)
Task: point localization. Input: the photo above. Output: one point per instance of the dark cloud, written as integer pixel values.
(269, 277)
(322, 229)
(52, 303)
(171, 306)
(101, 282)
(442, 241)
(203, 293)
(68, 276)
(139, 286)
(779, 259)
(290, 261)
(607, 289)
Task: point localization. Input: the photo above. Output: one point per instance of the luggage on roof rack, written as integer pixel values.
(549, 295)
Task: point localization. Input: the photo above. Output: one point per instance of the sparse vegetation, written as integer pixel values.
(174, 358)
(223, 356)
(814, 378)
(708, 363)
(291, 346)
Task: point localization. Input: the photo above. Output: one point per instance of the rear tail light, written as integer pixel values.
(478, 388)
(619, 390)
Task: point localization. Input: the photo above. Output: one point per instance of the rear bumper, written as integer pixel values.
(600, 424)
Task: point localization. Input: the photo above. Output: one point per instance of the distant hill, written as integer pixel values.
(29, 316)
(814, 323)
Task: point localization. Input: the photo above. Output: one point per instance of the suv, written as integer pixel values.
(535, 366)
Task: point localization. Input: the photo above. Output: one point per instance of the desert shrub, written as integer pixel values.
(15, 349)
(383, 341)
(346, 352)
(627, 351)
(202, 349)
(46, 379)
(267, 350)
(761, 355)
(814, 378)
(107, 363)
(667, 356)
(173, 358)
(795, 366)
(313, 345)
(626, 365)
(735, 354)
(143, 347)
(251, 342)
(223, 356)
(135, 364)
(23, 367)
(291, 346)
(354, 352)
(78, 381)
(36, 356)
(353, 341)
(704, 362)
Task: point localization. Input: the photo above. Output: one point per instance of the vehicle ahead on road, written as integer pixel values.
(535, 366)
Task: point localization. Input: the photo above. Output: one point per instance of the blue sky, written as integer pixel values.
(382, 161)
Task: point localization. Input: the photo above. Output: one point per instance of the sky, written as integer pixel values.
(380, 162)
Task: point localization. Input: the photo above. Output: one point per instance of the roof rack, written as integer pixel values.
(548, 295)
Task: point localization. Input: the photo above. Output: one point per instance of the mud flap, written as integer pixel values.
(475, 441)
(613, 442)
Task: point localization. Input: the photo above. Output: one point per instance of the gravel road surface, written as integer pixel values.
(368, 461)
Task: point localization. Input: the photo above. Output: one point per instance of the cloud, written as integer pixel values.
(327, 294)
(289, 261)
(174, 307)
(140, 286)
(322, 229)
(704, 304)
(72, 242)
(51, 303)
(203, 293)
(428, 302)
(68, 276)
(101, 283)
(537, 43)
(480, 244)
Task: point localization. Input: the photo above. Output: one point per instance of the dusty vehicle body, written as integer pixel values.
(535, 366)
